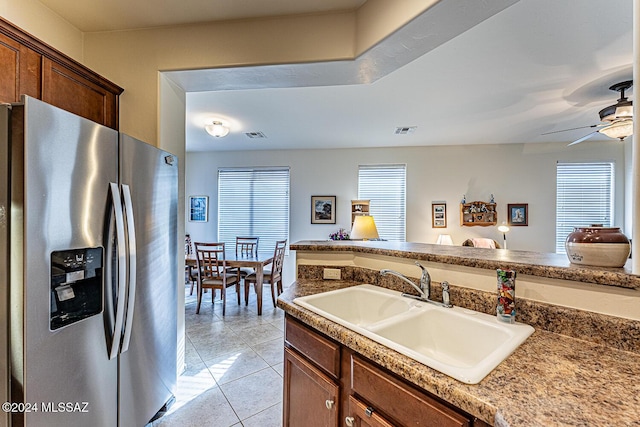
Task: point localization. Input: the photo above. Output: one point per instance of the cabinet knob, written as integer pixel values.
(349, 421)
(329, 404)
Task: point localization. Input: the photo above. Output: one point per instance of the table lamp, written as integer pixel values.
(444, 239)
(364, 228)
(504, 229)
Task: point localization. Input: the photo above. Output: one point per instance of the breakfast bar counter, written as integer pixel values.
(550, 380)
(540, 264)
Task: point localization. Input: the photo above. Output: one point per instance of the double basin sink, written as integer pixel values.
(464, 344)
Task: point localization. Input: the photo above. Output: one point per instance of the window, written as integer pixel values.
(584, 196)
(385, 186)
(253, 202)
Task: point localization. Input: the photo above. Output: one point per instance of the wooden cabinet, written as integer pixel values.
(310, 396)
(396, 402)
(361, 415)
(359, 207)
(75, 93)
(311, 371)
(327, 384)
(478, 214)
(31, 67)
(20, 70)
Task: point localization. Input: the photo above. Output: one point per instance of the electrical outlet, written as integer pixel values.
(331, 273)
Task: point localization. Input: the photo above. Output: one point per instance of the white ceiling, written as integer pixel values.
(537, 66)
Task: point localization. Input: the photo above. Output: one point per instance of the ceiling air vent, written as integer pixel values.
(405, 130)
(255, 135)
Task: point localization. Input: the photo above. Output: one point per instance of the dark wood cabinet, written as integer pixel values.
(397, 402)
(30, 67)
(362, 415)
(327, 384)
(20, 70)
(310, 396)
(71, 91)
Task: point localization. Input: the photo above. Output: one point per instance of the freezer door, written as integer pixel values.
(62, 165)
(148, 360)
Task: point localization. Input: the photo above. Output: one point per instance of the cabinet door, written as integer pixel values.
(19, 70)
(360, 415)
(310, 396)
(71, 91)
(399, 401)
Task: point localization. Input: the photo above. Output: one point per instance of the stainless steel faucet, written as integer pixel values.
(425, 286)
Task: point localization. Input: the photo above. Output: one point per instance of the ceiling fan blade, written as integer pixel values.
(584, 138)
(581, 127)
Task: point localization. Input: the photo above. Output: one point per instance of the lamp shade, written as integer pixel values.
(504, 228)
(364, 227)
(444, 239)
(619, 129)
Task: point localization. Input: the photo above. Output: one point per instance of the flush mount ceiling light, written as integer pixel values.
(217, 129)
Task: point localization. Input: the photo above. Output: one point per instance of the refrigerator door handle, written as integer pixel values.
(131, 231)
(122, 270)
(109, 274)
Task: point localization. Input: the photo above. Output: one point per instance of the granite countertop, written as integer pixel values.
(550, 380)
(541, 264)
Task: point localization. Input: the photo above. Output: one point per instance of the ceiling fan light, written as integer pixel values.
(624, 111)
(620, 129)
(217, 129)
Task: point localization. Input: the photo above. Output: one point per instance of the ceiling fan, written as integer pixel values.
(617, 119)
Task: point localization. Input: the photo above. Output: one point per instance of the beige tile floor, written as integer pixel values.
(234, 365)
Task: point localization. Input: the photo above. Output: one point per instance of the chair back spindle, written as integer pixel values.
(247, 246)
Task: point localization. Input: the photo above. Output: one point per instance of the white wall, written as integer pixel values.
(515, 173)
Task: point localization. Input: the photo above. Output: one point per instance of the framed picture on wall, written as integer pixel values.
(323, 209)
(438, 215)
(518, 214)
(198, 208)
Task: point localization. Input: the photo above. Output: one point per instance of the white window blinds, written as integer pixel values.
(584, 196)
(253, 203)
(385, 186)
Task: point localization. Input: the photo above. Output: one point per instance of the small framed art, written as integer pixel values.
(323, 209)
(518, 214)
(198, 208)
(438, 215)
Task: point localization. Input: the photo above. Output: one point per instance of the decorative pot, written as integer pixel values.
(598, 246)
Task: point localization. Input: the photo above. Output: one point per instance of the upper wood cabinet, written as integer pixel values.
(20, 70)
(29, 66)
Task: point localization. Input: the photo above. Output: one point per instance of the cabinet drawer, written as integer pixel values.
(362, 416)
(398, 401)
(320, 350)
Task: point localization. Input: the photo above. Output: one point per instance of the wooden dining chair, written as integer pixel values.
(189, 270)
(248, 247)
(271, 277)
(213, 274)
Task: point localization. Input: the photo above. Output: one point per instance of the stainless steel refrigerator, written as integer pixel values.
(88, 272)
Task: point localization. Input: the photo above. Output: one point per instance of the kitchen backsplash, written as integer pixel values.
(621, 333)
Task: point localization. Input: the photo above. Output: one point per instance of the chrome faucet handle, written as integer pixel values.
(446, 301)
(425, 280)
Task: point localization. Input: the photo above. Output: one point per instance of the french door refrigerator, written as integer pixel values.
(88, 272)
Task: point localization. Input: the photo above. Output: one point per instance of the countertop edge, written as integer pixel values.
(540, 264)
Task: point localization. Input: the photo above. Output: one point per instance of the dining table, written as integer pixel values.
(256, 261)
